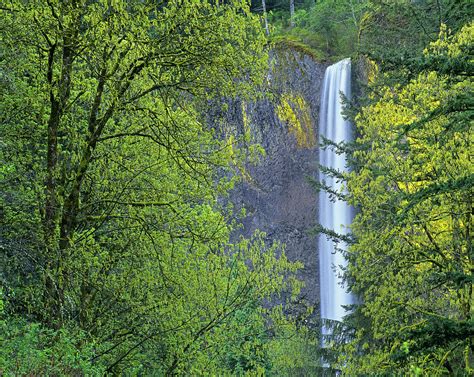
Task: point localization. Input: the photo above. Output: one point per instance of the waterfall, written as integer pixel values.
(335, 215)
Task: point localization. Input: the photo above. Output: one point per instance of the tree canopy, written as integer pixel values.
(117, 253)
(412, 259)
(114, 242)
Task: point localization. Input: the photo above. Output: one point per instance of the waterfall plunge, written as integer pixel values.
(336, 215)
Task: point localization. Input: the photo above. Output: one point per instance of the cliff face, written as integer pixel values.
(275, 193)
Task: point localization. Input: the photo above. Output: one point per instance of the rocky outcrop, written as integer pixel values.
(275, 193)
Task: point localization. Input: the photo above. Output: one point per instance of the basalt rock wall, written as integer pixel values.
(275, 192)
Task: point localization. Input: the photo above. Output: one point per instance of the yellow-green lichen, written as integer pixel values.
(295, 112)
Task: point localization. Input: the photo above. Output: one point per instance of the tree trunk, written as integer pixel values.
(292, 13)
(264, 7)
(58, 101)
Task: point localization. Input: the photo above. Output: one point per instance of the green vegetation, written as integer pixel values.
(325, 29)
(115, 244)
(411, 260)
(115, 252)
(294, 111)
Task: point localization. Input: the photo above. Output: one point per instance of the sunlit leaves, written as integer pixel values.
(113, 179)
(414, 190)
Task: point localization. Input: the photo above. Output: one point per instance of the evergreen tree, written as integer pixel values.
(412, 259)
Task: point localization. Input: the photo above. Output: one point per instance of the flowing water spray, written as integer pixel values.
(334, 215)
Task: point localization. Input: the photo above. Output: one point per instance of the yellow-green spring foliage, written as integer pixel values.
(413, 261)
(296, 113)
(112, 227)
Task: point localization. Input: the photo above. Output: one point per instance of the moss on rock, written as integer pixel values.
(296, 113)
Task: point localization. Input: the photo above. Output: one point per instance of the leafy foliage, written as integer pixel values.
(394, 33)
(114, 243)
(412, 259)
(31, 349)
(329, 29)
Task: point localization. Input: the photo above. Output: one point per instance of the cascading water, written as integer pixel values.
(334, 215)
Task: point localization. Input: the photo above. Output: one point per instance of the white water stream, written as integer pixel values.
(336, 215)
